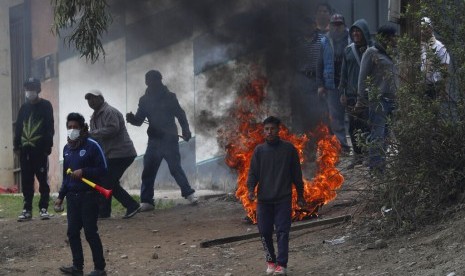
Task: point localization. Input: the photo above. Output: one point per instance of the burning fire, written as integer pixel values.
(247, 133)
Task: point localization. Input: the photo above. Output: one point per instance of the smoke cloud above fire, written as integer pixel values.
(235, 41)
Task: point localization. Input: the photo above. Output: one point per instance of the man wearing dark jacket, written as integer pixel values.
(274, 167)
(33, 142)
(107, 126)
(160, 107)
(348, 85)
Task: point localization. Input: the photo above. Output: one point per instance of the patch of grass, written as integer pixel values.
(11, 205)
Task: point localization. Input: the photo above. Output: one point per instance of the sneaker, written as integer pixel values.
(193, 199)
(279, 270)
(71, 270)
(132, 212)
(25, 215)
(44, 214)
(145, 207)
(97, 272)
(270, 268)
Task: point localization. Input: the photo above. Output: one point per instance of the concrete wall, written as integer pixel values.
(6, 127)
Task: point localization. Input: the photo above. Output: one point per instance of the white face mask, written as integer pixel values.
(31, 95)
(73, 134)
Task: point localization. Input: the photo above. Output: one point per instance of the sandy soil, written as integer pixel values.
(167, 242)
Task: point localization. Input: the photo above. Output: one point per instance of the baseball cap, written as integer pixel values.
(32, 84)
(93, 92)
(426, 21)
(337, 18)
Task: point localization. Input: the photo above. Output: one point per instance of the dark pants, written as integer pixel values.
(34, 164)
(116, 169)
(157, 150)
(279, 216)
(357, 123)
(308, 110)
(82, 211)
(336, 117)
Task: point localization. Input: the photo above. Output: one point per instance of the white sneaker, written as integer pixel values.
(270, 268)
(146, 207)
(44, 214)
(25, 215)
(193, 199)
(280, 270)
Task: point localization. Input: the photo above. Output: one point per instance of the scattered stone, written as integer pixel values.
(378, 244)
(155, 231)
(124, 256)
(228, 274)
(193, 246)
(183, 243)
(412, 263)
(119, 227)
(155, 255)
(157, 246)
(402, 250)
(451, 274)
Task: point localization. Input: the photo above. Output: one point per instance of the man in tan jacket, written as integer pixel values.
(107, 126)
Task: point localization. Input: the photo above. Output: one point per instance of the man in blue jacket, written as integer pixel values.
(85, 158)
(329, 75)
(161, 107)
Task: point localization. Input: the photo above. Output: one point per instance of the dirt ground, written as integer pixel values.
(167, 242)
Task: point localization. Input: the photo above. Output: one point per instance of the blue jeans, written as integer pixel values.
(82, 211)
(270, 215)
(336, 117)
(379, 114)
(157, 150)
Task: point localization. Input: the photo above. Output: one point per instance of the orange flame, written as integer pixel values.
(247, 132)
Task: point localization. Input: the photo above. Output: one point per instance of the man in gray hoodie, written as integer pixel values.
(377, 87)
(348, 85)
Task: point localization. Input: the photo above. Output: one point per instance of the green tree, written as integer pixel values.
(88, 19)
(425, 176)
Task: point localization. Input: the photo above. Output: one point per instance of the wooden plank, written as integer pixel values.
(294, 227)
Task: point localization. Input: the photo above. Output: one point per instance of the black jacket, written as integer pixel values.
(34, 128)
(161, 107)
(275, 167)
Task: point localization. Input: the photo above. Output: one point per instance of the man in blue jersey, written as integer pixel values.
(86, 159)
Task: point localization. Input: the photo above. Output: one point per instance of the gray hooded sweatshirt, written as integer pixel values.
(351, 61)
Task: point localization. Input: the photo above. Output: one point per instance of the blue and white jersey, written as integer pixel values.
(88, 157)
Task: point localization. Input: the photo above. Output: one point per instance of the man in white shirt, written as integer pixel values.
(434, 60)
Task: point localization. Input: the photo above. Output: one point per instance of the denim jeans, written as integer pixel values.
(336, 117)
(270, 215)
(157, 150)
(82, 212)
(379, 113)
